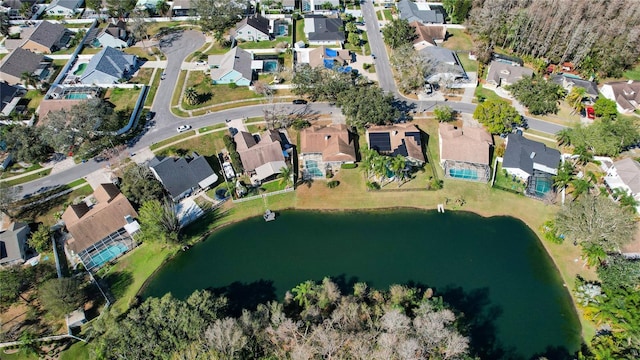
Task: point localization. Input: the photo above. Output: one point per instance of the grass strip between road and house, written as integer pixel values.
(170, 140)
(210, 128)
(27, 178)
(153, 88)
(177, 90)
(75, 183)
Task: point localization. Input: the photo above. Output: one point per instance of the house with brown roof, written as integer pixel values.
(20, 61)
(324, 56)
(47, 38)
(428, 35)
(101, 227)
(465, 152)
(397, 139)
(262, 156)
(626, 94)
(324, 148)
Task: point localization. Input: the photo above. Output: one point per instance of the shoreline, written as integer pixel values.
(466, 208)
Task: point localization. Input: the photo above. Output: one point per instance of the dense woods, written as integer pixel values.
(600, 36)
(314, 322)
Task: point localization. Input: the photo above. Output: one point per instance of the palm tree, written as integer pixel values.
(625, 199)
(584, 155)
(191, 95)
(303, 293)
(162, 8)
(565, 176)
(29, 79)
(397, 166)
(564, 137)
(368, 156)
(593, 254)
(380, 166)
(574, 99)
(285, 176)
(580, 186)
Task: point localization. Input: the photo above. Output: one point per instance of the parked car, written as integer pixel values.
(299, 102)
(183, 128)
(164, 75)
(149, 115)
(201, 63)
(233, 131)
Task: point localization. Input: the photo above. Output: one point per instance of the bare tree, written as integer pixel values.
(226, 336)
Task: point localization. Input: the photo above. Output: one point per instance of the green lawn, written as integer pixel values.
(151, 94)
(206, 145)
(486, 94)
(76, 183)
(87, 50)
(215, 94)
(468, 64)
(45, 212)
(27, 178)
(507, 182)
(633, 74)
(171, 139)
(272, 186)
(458, 40)
(143, 53)
(264, 44)
(34, 97)
(379, 14)
(300, 36)
(122, 98)
(216, 49)
(143, 76)
(157, 27)
(365, 41)
(387, 14)
(177, 90)
(15, 169)
(212, 127)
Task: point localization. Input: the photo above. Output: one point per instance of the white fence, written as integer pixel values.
(263, 195)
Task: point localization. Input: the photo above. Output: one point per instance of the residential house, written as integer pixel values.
(428, 35)
(465, 152)
(47, 38)
(626, 94)
(9, 97)
(182, 176)
(21, 61)
(321, 30)
(6, 157)
(507, 59)
(568, 81)
(13, 8)
(115, 35)
(233, 67)
(385, 3)
(324, 56)
(181, 8)
(445, 68)
(108, 67)
(318, 6)
(624, 175)
(420, 12)
(325, 148)
(262, 156)
(532, 162)
(64, 7)
(18, 38)
(501, 74)
(288, 5)
(101, 227)
(397, 139)
(252, 28)
(149, 5)
(13, 244)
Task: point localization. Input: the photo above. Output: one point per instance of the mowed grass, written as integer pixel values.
(215, 94)
(34, 97)
(633, 74)
(170, 140)
(300, 35)
(487, 94)
(565, 116)
(206, 144)
(458, 39)
(177, 90)
(143, 76)
(27, 178)
(122, 98)
(151, 94)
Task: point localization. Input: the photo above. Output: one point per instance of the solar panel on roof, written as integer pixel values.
(380, 141)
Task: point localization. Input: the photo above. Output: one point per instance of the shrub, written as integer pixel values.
(349, 166)
(333, 183)
(329, 174)
(300, 124)
(232, 85)
(366, 66)
(372, 185)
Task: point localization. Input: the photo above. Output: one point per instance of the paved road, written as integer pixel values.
(544, 126)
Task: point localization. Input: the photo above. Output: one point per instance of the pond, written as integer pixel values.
(494, 270)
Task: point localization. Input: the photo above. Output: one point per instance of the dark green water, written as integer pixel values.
(494, 270)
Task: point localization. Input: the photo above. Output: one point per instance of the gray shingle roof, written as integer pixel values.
(69, 4)
(20, 61)
(48, 34)
(235, 59)
(522, 153)
(7, 93)
(409, 11)
(590, 86)
(179, 175)
(12, 242)
(108, 63)
(325, 28)
(257, 22)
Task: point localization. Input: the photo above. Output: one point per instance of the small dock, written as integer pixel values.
(269, 215)
(441, 208)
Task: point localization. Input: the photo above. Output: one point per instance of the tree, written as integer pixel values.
(617, 271)
(118, 8)
(625, 199)
(458, 10)
(410, 68)
(584, 155)
(14, 281)
(285, 176)
(397, 166)
(367, 105)
(139, 27)
(40, 239)
(217, 15)
(159, 221)
(61, 296)
(444, 113)
(575, 97)
(398, 32)
(139, 184)
(563, 137)
(27, 143)
(565, 175)
(4, 24)
(30, 79)
(191, 95)
(162, 7)
(596, 220)
(354, 39)
(539, 95)
(95, 5)
(497, 115)
(605, 108)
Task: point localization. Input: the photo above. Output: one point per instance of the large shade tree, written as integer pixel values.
(139, 185)
(496, 115)
(218, 15)
(367, 106)
(398, 32)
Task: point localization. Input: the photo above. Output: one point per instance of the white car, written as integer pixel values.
(201, 63)
(183, 128)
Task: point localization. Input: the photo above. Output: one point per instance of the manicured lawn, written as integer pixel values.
(78, 350)
(143, 53)
(87, 50)
(209, 128)
(487, 94)
(151, 94)
(255, 128)
(171, 139)
(122, 98)
(365, 41)
(34, 97)
(215, 94)
(177, 90)
(27, 178)
(76, 183)
(468, 64)
(216, 49)
(15, 169)
(387, 14)
(45, 212)
(254, 119)
(458, 40)
(205, 145)
(563, 117)
(379, 14)
(633, 74)
(506, 181)
(264, 44)
(300, 35)
(157, 27)
(143, 76)
(272, 186)
(127, 276)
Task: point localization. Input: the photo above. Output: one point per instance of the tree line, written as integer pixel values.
(315, 321)
(599, 37)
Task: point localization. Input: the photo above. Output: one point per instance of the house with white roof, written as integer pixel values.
(64, 7)
(626, 94)
(624, 175)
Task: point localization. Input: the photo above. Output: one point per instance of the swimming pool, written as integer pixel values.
(78, 96)
(312, 168)
(106, 255)
(543, 186)
(469, 174)
(270, 66)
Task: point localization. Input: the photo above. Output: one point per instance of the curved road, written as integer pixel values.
(178, 45)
